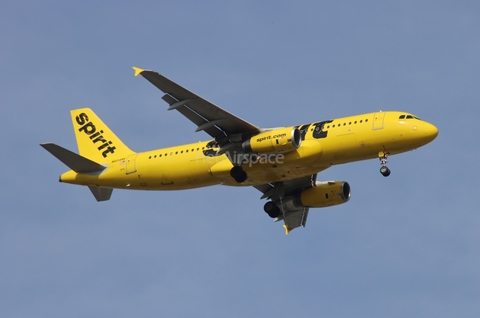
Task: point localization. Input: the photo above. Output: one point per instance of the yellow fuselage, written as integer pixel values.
(324, 144)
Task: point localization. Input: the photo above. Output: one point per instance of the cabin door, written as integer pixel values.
(131, 164)
(378, 119)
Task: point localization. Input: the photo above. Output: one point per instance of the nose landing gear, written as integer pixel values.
(382, 155)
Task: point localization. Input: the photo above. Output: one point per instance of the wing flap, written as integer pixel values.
(294, 219)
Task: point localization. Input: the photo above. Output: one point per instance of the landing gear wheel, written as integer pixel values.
(238, 174)
(385, 171)
(271, 209)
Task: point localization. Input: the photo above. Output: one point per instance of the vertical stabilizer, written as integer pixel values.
(94, 139)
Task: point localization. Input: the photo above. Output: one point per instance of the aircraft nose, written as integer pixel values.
(431, 132)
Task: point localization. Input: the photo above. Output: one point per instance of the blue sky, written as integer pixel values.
(403, 246)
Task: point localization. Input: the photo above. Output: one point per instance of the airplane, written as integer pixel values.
(282, 163)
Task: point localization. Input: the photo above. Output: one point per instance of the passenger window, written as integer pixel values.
(366, 120)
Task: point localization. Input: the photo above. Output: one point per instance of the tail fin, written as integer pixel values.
(94, 139)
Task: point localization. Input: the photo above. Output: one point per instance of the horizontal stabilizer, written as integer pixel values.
(101, 194)
(74, 161)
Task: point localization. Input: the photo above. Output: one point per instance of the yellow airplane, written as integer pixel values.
(282, 163)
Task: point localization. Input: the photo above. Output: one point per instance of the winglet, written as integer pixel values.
(287, 229)
(137, 70)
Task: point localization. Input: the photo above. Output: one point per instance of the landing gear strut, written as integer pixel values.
(383, 161)
(271, 209)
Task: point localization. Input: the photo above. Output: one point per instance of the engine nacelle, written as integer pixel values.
(323, 194)
(274, 141)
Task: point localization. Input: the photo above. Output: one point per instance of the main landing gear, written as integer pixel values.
(271, 209)
(383, 161)
(238, 174)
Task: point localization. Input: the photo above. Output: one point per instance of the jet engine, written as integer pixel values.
(324, 194)
(274, 141)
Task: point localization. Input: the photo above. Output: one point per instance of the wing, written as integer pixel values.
(215, 121)
(280, 192)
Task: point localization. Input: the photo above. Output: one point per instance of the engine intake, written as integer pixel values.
(274, 141)
(324, 194)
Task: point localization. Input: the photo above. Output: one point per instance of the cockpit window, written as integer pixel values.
(408, 117)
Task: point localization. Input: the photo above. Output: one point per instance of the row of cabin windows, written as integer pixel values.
(176, 153)
(193, 149)
(345, 124)
(408, 117)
